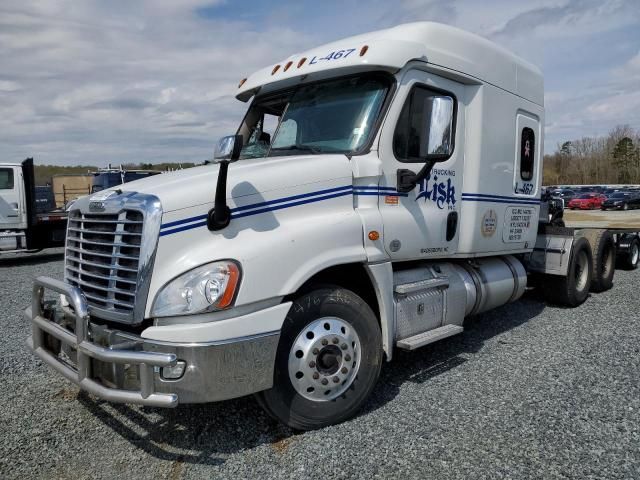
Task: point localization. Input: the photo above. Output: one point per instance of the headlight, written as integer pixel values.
(203, 289)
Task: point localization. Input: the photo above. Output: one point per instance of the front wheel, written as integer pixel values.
(328, 360)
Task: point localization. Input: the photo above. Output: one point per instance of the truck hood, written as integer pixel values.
(197, 186)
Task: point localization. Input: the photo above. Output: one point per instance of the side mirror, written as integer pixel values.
(228, 148)
(438, 117)
(439, 145)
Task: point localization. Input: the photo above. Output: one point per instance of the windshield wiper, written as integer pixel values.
(302, 148)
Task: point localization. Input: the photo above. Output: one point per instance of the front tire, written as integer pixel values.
(328, 360)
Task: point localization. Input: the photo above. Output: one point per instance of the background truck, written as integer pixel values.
(68, 187)
(378, 191)
(29, 220)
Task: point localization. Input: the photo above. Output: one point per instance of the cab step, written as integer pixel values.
(425, 338)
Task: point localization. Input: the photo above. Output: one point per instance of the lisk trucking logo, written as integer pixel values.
(434, 188)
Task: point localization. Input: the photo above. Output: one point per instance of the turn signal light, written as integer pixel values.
(373, 235)
(364, 50)
(227, 297)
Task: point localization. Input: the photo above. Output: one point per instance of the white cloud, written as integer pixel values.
(99, 82)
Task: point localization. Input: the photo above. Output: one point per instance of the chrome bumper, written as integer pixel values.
(124, 368)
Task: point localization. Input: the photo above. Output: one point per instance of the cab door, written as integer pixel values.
(11, 213)
(425, 124)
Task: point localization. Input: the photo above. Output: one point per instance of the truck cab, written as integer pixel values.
(108, 178)
(28, 219)
(378, 190)
(12, 198)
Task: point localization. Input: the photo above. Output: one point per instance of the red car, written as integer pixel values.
(587, 201)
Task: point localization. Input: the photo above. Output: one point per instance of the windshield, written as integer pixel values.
(334, 116)
(586, 196)
(619, 195)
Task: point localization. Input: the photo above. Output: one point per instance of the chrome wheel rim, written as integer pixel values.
(582, 271)
(324, 359)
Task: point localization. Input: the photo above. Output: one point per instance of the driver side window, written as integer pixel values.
(259, 128)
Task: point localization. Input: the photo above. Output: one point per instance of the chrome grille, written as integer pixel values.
(103, 259)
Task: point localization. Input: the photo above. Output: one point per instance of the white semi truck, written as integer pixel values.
(378, 190)
(29, 220)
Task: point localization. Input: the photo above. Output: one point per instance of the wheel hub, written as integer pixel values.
(324, 359)
(329, 360)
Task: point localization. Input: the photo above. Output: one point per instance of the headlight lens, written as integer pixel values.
(203, 289)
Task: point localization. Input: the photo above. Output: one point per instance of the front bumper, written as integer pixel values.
(125, 368)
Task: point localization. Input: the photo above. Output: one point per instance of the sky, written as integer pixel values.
(98, 82)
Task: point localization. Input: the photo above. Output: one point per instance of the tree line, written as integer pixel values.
(43, 173)
(610, 159)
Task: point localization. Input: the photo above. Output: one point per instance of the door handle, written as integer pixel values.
(452, 225)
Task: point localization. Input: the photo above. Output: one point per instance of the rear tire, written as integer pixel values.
(328, 360)
(603, 249)
(573, 289)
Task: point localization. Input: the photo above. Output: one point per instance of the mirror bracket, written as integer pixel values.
(407, 180)
(220, 215)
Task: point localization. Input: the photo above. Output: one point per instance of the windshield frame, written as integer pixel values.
(375, 128)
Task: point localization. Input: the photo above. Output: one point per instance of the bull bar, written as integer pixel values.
(87, 350)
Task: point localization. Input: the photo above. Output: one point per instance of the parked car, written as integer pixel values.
(587, 201)
(565, 194)
(621, 201)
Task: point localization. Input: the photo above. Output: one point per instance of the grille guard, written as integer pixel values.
(145, 361)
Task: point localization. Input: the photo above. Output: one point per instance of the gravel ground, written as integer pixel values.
(526, 391)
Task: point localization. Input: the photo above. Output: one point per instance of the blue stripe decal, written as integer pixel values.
(488, 195)
(185, 220)
(346, 188)
(497, 200)
(500, 197)
(300, 202)
(186, 227)
(514, 200)
(281, 203)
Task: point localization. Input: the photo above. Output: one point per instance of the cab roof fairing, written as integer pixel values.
(393, 48)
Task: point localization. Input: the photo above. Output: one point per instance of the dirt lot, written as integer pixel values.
(600, 219)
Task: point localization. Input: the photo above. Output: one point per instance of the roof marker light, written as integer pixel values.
(288, 65)
(301, 62)
(275, 69)
(242, 82)
(363, 50)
